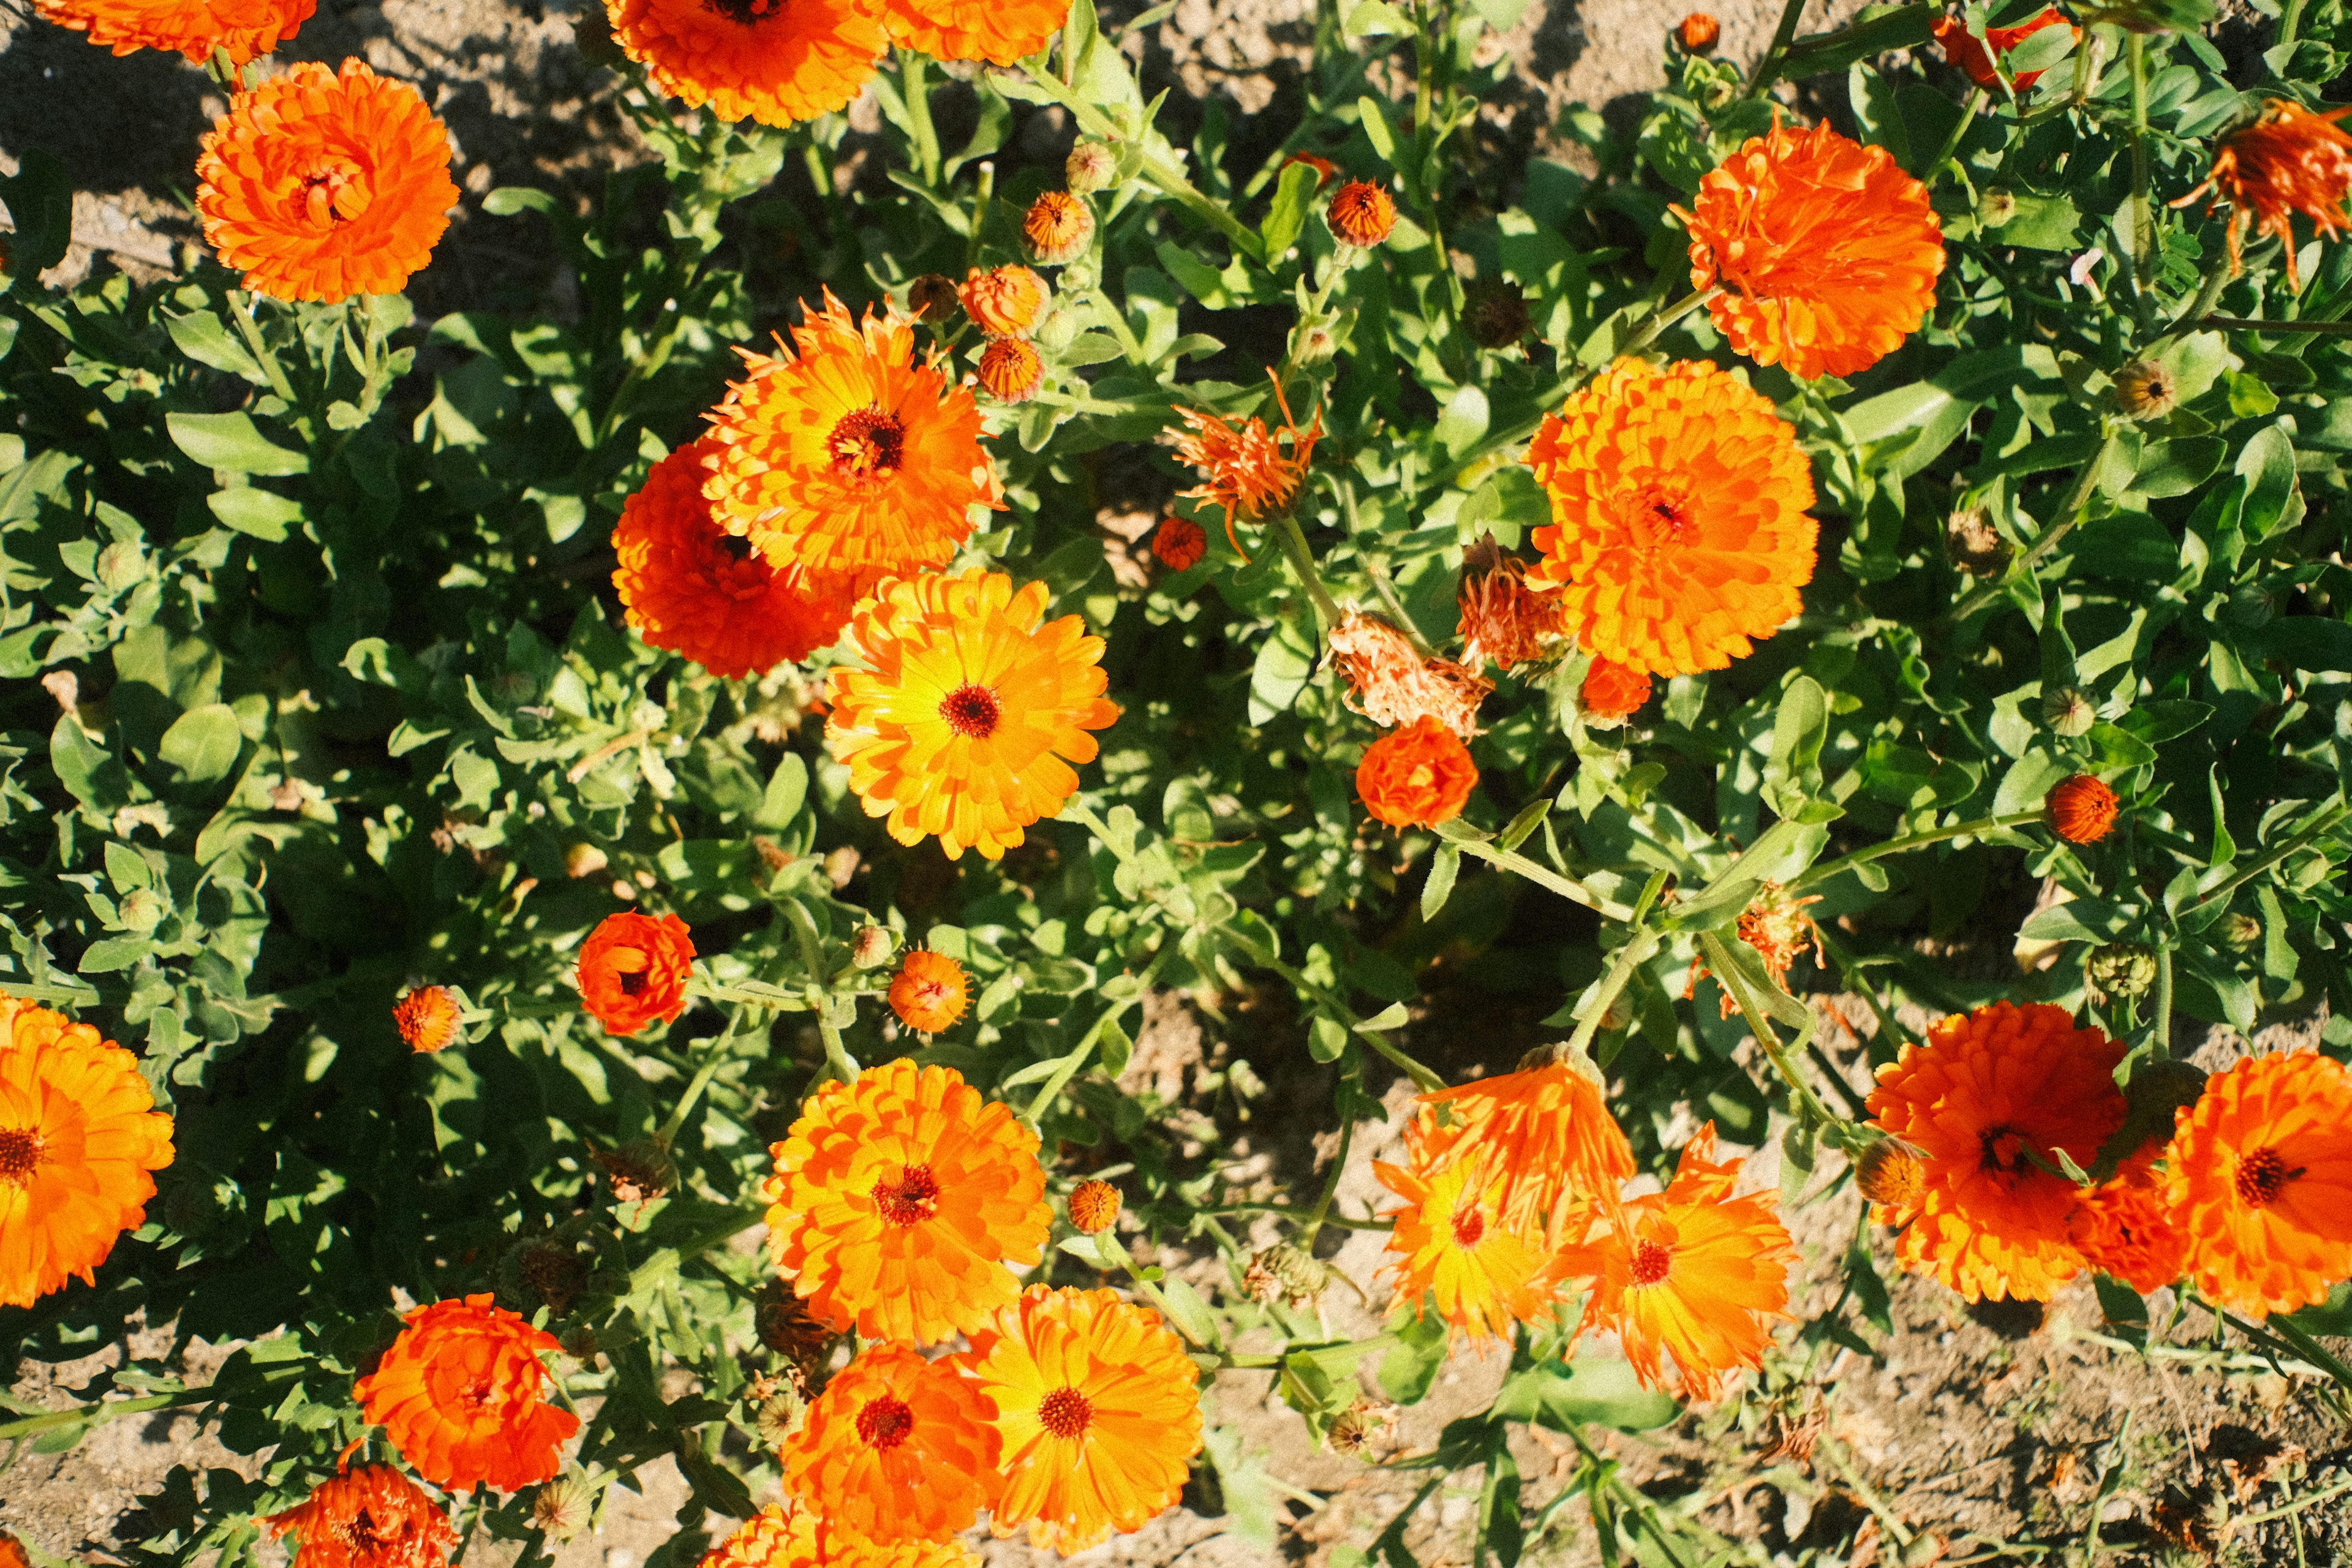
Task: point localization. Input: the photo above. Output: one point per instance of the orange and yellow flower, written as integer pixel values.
(1248, 469)
(1001, 32)
(373, 1517)
(1010, 370)
(243, 29)
(426, 1018)
(847, 459)
(1962, 48)
(1989, 1103)
(930, 991)
(1179, 543)
(2288, 161)
(1058, 227)
(321, 184)
(1004, 302)
(970, 710)
(1612, 693)
(769, 60)
(1362, 213)
(783, 1535)
(689, 587)
(1826, 252)
(1454, 1241)
(633, 969)
(2125, 1228)
(1679, 532)
(2259, 1177)
(2080, 809)
(896, 1447)
(897, 1201)
(79, 1141)
(1546, 1128)
(1094, 1208)
(1099, 1410)
(460, 1396)
(1416, 777)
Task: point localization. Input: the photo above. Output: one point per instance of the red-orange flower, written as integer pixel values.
(2125, 1228)
(1827, 252)
(776, 62)
(1679, 533)
(1004, 302)
(11, 1552)
(1990, 1103)
(2258, 1175)
(459, 1394)
(426, 1018)
(633, 969)
(895, 1447)
(1416, 777)
(243, 29)
(2080, 809)
(1011, 369)
(79, 1140)
(1960, 46)
(1094, 1208)
(1249, 470)
(321, 184)
(1058, 227)
(1612, 693)
(1362, 213)
(1179, 543)
(373, 1517)
(688, 585)
(1546, 1128)
(783, 1535)
(1454, 1240)
(1698, 32)
(930, 991)
(999, 31)
(2288, 161)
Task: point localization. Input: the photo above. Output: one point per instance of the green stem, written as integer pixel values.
(240, 311)
(2327, 821)
(1768, 69)
(836, 1055)
(1727, 973)
(2143, 213)
(2062, 523)
(1968, 112)
(1330, 1188)
(2208, 294)
(2290, 24)
(1661, 316)
(916, 94)
(716, 1059)
(1636, 951)
(2304, 1345)
(2161, 1032)
(2246, 324)
(1077, 1060)
(1157, 169)
(1541, 876)
(1428, 1081)
(1970, 829)
(1293, 540)
(1847, 978)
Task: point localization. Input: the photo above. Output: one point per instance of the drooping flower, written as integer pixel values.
(1693, 1273)
(1362, 213)
(460, 1396)
(1416, 777)
(1679, 533)
(1001, 32)
(970, 711)
(896, 1447)
(321, 184)
(899, 1199)
(847, 458)
(426, 1018)
(1248, 469)
(2080, 809)
(930, 991)
(1058, 227)
(2125, 1228)
(1612, 693)
(373, 1517)
(79, 1141)
(1503, 619)
(1094, 1208)
(785, 1535)
(1890, 1176)
(1777, 928)
(1099, 1410)
(633, 969)
(1011, 369)
(2288, 161)
(769, 60)
(1989, 1103)
(194, 29)
(1005, 301)
(689, 587)
(1961, 48)
(1388, 681)
(2259, 1177)
(1827, 252)
(1454, 1240)
(1546, 1128)
(1698, 32)
(1179, 543)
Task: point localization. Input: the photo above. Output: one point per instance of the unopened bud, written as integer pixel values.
(2241, 932)
(1058, 227)
(1995, 208)
(870, 949)
(121, 564)
(1283, 1272)
(1091, 167)
(780, 1415)
(583, 860)
(2069, 711)
(1094, 1208)
(1698, 33)
(2121, 968)
(1889, 1173)
(2145, 390)
(563, 1507)
(931, 298)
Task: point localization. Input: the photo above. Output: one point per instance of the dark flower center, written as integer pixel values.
(738, 548)
(1468, 1227)
(885, 1422)
(1651, 1261)
(1658, 518)
(1064, 1413)
(20, 1151)
(632, 981)
(867, 442)
(971, 710)
(911, 1199)
(2262, 1176)
(2002, 1149)
(747, 12)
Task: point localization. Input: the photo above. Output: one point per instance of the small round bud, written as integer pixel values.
(2069, 711)
(870, 949)
(931, 298)
(1058, 227)
(142, 910)
(1094, 1208)
(426, 1018)
(2145, 390)
(1315, 344)
(1995, 208)
(1889, 1173)
(562, 1509)
(1497, 316)
(1091, 167)
(780, 1415)
(1362, 213)
(2080, 809)
(121, 564)
(2241, 932)
(1010, 370)
(1975, 546)
(1698, 33)
(2121, 968)
(583, 860)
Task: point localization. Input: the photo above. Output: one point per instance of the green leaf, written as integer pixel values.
(1376, 18)
(2041, 222)
(1903, 27)
(1375, 121)
(232, 443)
(1284, 665)
(204, 338)
(1463, 420)
(1410, 1369)
(1443, 868)
(1566, 1398)
(202, 743)
(1287, 218)
(263, 514)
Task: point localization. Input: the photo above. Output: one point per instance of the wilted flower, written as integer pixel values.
(2145, 390)
(1391, 683)
(1247, 468)
(1498, 313)
(933, 297)
(1501, 618)
(2289, 161)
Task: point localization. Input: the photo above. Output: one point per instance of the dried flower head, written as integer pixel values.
(637, 1173)
(562, 1509)
(1094, 1208)
(1005, 301)
(1502, 619)
(2069, 710)
(1058, 227)
(2080, 809)
(786, 1326)
(2288, 161)
(1362, 213)
(2120, 968)
(426, 1018)
(1285, 1273)
(1361, 1428)
(930, 991)
(1777, 928)
(1179, 543)
(1249, 470)
(1388, 681)
(1417, 775)
(1498, 313)
(933, 298)
(1011, 369)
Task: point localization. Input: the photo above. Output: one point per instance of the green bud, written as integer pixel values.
(2241, 932)
(2121, 968)
(2069, 710)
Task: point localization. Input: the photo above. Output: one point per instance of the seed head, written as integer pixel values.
(931, 298)
(562, 1509)
(1284, 1271)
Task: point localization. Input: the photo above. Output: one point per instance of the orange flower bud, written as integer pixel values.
(427, 1019)
(1362, 213)
(1417, 776)
(929, 991)
(1179, 543)
(1005, 302)
(633, 970)
(1094, 1208)
(1890, 1174)
(1698, 32)
(1613, 693)
(1059, 229)
(2080, 809)
(1010, 370)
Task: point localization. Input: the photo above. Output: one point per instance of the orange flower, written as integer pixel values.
(1612, 693)
(1546, 1128)
(1452, 1237)
(1890, 1176)
(1989, 1102)
(1324, 168)
(373, 1517)
(688, 585)
(11, 1552)
(1389, 682)
(1417, 776)
(782, 1535)
(1501, 618)
(1679, 530)
(1362, 213)
(426, 1018)
(763, 60)
(1827, 251)
(1961, 48)
(633, 969)
(2080, 809)
(1011, 369)
(321, 185)
(2125, 1229)
(1179, 543)
(243, 29)
(460, 1396)
(849, 460)
(896, 1447)
(2288, 161)
(78, 1139)
(998, 31)
(1094, 1208)
(970, 711)
(1698, 32)
(1058, 227)
(2258, 1175)
(929, 991)
(1005, 302)
(1099, 1409)
(1694, 1272)
(899, 1199)
(1246, 467)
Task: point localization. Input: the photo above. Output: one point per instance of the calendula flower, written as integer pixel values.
(688, 585)
(1693, 1273)
(970, 711)
(2125, 1228)
(930, 991)
(1058, 227)
(1179, 542)
(79, 1141)
(1452, 1239)
(1679, 532)
(1961, 48)
(1546, 1128)
(1503, 619)
(785, 1535)
(1777, 928)
(1248, 469)
(896, 1447)
(194, 29)
(373, 1517)
(1094, 1208)
(1827, 252)
(1889, 1175)
(767, 60)
(1010, 370)
(11, 1552)
(1612, 693)
(1698, 32)
(460, 1396)
(1416, 777)
(899, 1199)
(2259, 1177)
(1390, 682)
(1001, 32)
(1362, 213)
(426, 1018)
(847, 459)
(1005, 301)
(1989, 1103)
(633, 969)
(2288, 161)
(321, 184)
(2080, 809)
(1324, 168)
